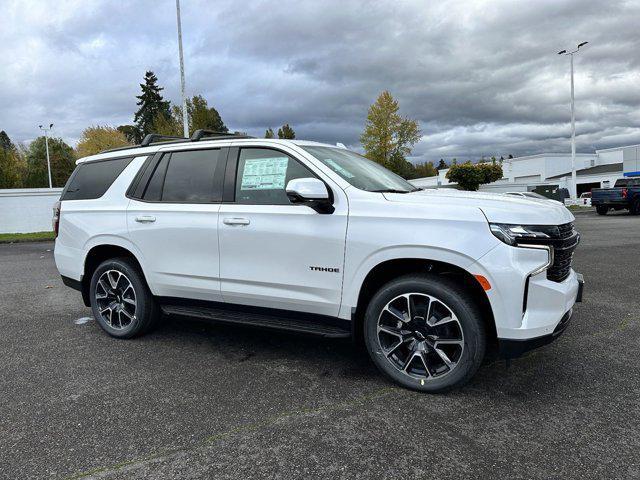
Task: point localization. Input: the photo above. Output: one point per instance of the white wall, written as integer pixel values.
(631, 163)
(497, 187)
(600, 177)
(609, 156)
(557, 164)
(27, 210)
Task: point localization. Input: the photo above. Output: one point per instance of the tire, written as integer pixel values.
(635, 207)
(602, 210)
(120, 299)
(406, 351)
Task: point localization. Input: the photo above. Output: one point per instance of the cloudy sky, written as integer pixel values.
(481, 77)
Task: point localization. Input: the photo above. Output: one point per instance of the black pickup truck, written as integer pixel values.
(625, 194)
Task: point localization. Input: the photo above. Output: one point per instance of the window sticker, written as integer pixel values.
(338, 169)
(264, 173)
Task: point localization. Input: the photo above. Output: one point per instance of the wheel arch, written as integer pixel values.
(98, 254)
(387, 270)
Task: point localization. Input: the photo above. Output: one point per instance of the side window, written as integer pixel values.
(193, 176)
(153, 192)
(91, 180)
(263, 175)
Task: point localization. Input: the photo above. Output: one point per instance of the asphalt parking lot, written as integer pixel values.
(196, 400)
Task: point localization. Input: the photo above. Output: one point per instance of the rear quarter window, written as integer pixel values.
(91, 180)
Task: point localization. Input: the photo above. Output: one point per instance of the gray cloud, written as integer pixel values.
(481, 77)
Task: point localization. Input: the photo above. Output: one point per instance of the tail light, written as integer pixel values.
(56, 218)
(624, 193)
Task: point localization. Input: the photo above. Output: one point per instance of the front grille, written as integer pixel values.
(563, 247)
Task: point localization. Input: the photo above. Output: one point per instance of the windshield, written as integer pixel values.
(359, 171)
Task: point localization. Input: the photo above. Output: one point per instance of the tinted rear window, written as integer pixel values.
(91, 180)
(627, 182)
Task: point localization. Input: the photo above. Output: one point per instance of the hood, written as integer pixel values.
(498, 208)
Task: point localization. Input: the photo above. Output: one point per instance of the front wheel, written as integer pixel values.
(425, 333)
(602, 210)
(635, 207)
(120, 299)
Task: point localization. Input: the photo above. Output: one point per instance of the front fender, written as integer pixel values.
(355, 275)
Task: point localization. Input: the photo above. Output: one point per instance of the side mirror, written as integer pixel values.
(311, 192)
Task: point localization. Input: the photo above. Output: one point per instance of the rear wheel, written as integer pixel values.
(635, 207)
(602, 210)
(425, 333)
(120, 299)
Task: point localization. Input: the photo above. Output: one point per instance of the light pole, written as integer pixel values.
(574, 183)
(185, 120)
(46, 145)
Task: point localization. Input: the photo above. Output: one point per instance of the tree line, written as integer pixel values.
(25, 166)
(388, 139)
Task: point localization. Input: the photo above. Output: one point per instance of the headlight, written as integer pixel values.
(528, 236)
(518, 234)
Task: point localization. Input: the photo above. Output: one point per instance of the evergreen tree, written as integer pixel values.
(131, 132)
(151, 104)
(5, 141)
(442, 165)
(202, 116)
(169, 125)
(269, 133)
(286, 132)
(388, 138)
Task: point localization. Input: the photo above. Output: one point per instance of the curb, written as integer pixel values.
(583, 211)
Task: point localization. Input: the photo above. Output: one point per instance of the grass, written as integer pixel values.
(26, 237)
(579, 208)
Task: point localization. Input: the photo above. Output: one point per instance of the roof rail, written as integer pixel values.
(167, 139)
(154, 137)
(201, 133)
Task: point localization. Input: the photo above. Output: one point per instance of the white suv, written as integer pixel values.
(304, 236)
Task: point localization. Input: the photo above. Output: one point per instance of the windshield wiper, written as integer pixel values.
(393, 190)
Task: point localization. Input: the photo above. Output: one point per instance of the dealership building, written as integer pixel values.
(552, 171)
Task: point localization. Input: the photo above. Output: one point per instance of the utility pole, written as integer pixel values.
(185, 119)
(46, 145)
(574, 182)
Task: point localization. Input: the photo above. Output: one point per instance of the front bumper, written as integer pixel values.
(527, 307)
(513, 348)
(509, 348)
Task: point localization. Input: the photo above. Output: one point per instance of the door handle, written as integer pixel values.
(236, 221)
(145, 219)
